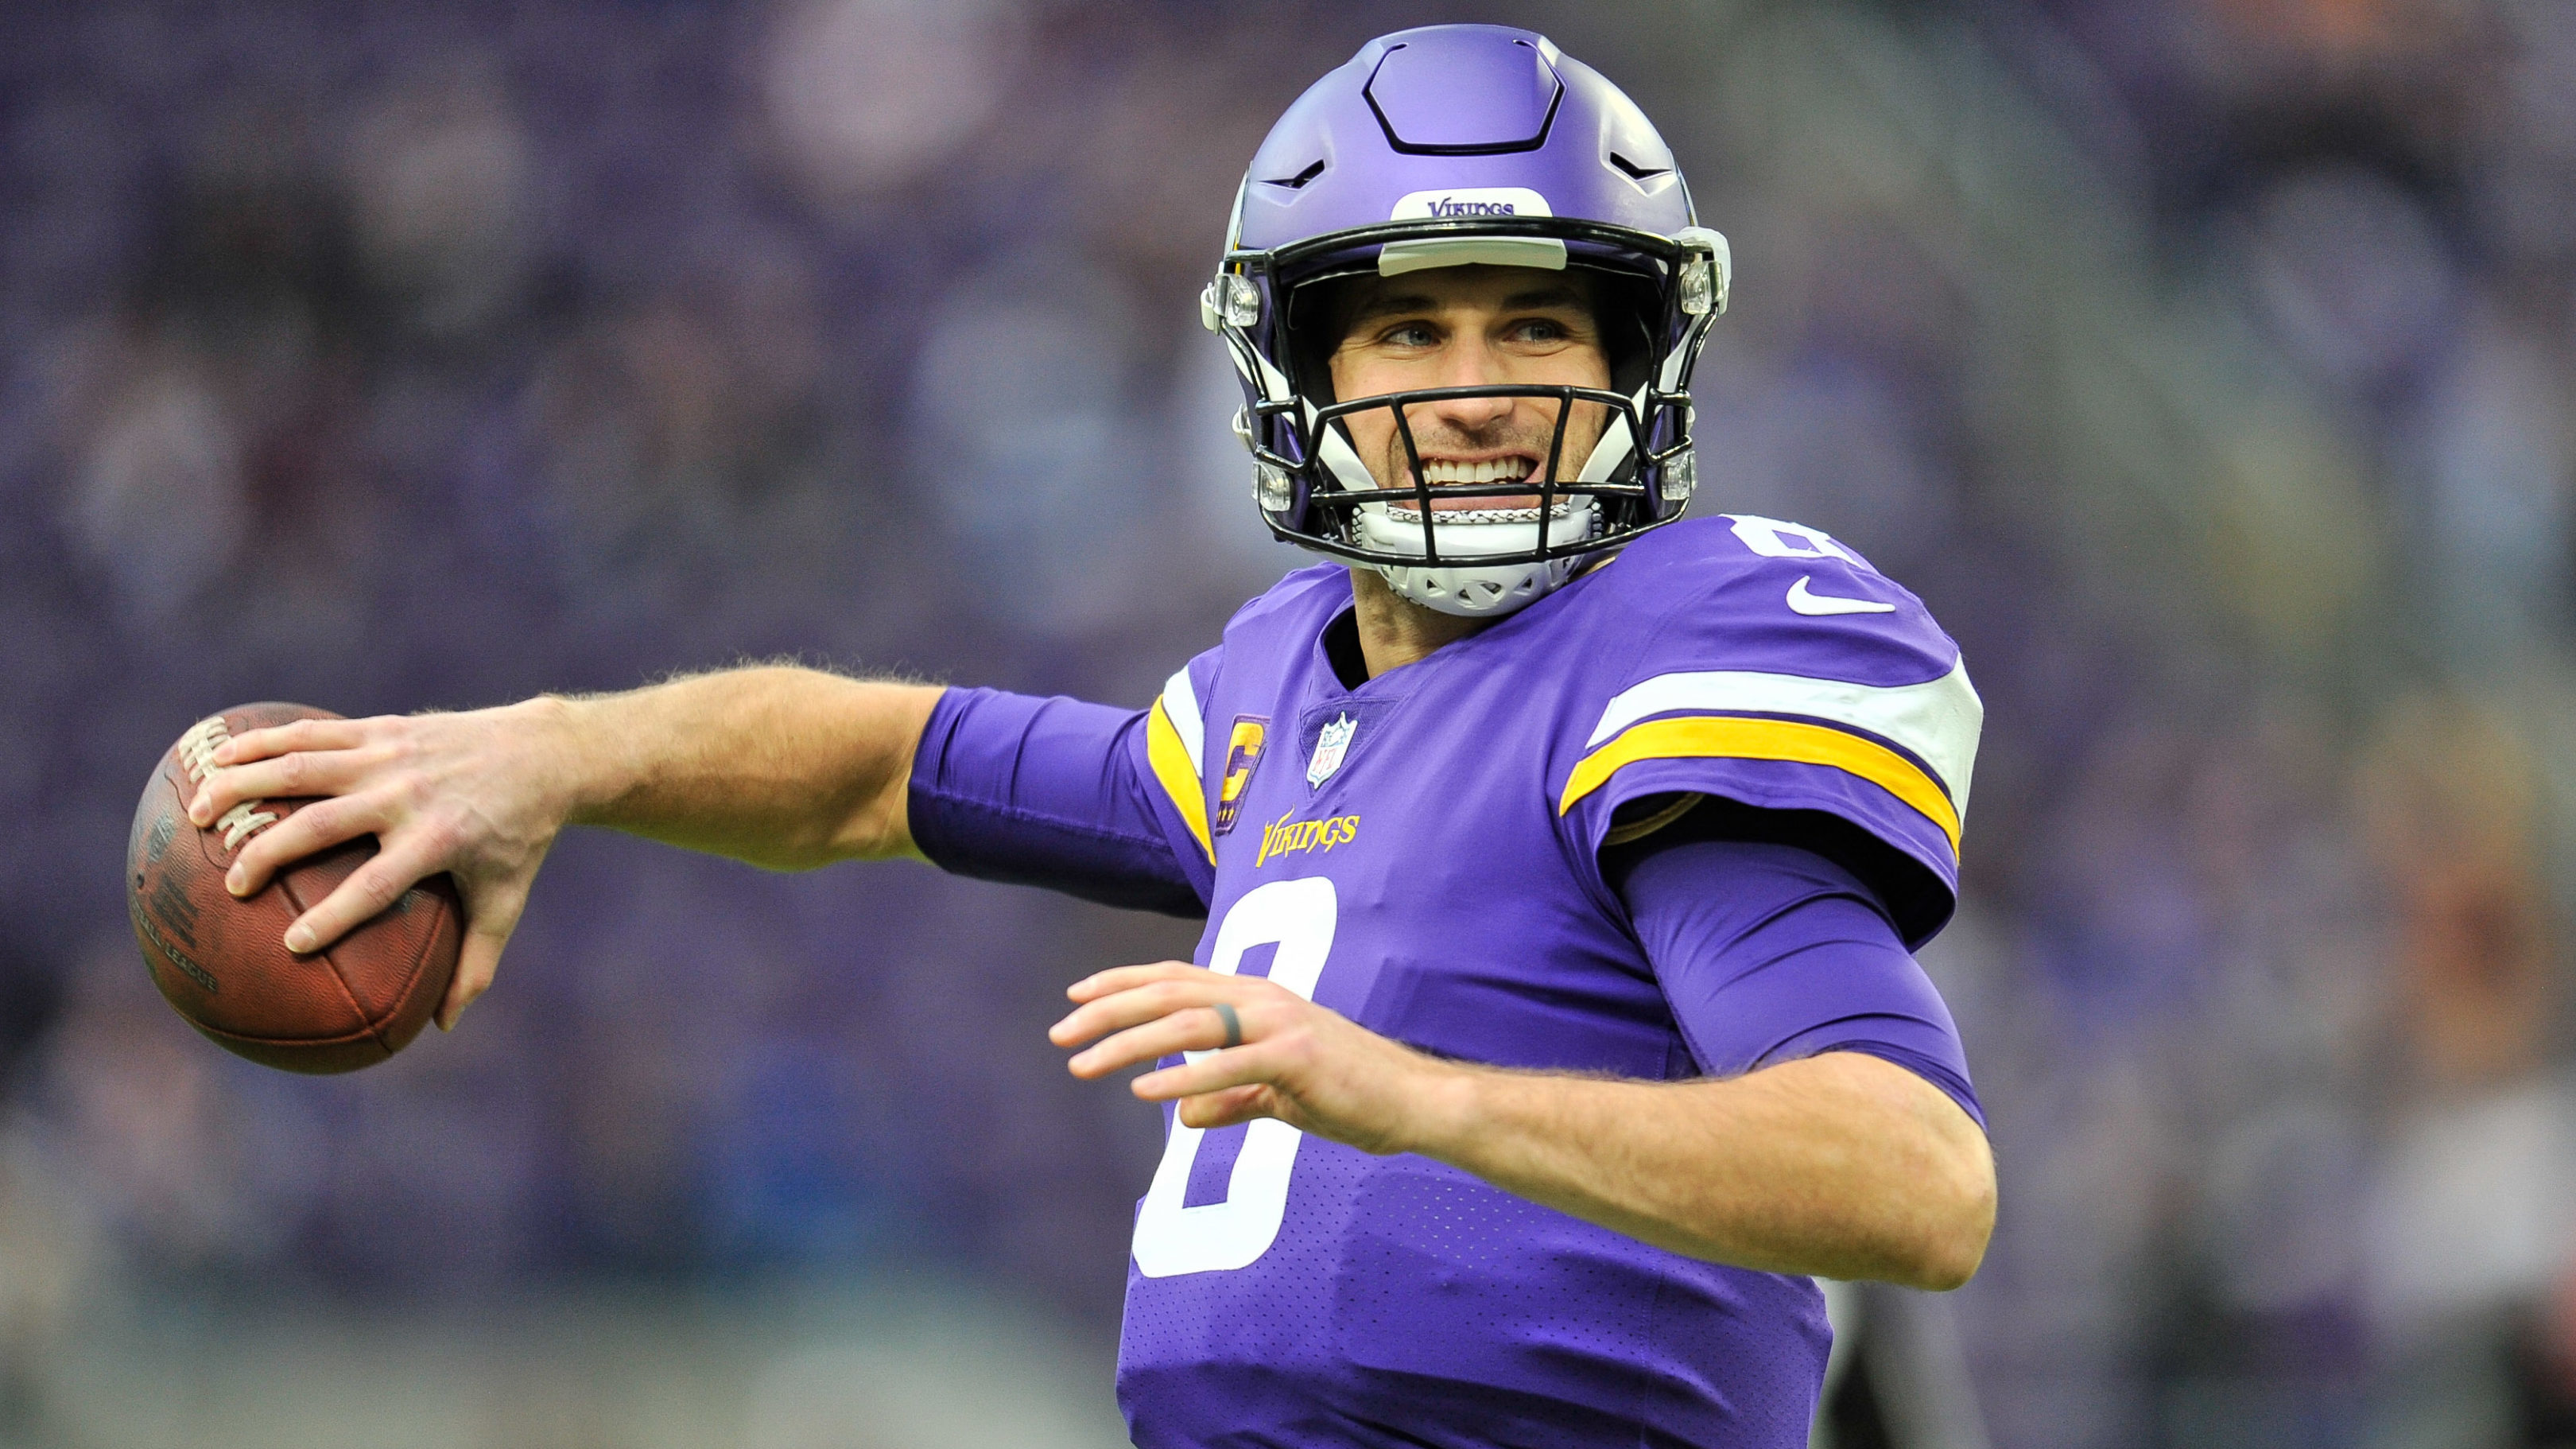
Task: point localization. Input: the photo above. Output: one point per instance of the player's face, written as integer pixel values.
(1463, 327)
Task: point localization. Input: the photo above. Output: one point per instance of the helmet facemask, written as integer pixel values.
(1448, 535)
(1429, 538)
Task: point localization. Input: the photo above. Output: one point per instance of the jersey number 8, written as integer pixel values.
(1298, 916)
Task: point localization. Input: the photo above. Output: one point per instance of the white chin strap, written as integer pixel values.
(1468, 591)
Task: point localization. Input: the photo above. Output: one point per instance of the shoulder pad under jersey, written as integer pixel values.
(1779, 669)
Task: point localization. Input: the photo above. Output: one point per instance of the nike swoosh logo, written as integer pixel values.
(1820, 605)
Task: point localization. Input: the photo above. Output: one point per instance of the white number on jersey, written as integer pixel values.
(1299, 916)
(1772, 538)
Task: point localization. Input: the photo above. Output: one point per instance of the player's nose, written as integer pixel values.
(1472, 364)
(1472, 359)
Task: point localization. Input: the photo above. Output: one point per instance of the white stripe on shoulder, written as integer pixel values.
(1938, 720)
(1182, 703)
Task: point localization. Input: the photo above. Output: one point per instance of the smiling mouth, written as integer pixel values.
(1481, 508)
(1454, 472)
(1443, 471)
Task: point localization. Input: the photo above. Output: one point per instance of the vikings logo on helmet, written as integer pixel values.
(1446, 146)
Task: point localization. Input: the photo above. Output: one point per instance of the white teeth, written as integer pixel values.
(1493, 470)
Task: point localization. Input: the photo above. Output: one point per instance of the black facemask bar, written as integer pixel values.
(1629, 497)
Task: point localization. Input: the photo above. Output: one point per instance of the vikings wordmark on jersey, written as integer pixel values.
(1287, 1289)
(1287, 837)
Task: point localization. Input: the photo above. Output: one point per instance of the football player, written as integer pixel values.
(1555, 1018)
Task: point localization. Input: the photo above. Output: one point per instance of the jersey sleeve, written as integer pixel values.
(1092, 800)
(1770, 953)
(1786, 677)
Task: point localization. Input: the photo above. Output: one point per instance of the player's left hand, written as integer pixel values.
(1307, 1065)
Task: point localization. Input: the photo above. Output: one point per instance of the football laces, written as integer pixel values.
(197, 754)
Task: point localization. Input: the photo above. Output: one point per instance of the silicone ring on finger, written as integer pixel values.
(1233, 1025)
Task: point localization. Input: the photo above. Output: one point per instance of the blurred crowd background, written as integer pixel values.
(2205, 364)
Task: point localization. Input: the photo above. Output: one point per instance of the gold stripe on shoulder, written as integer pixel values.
(1731, 737)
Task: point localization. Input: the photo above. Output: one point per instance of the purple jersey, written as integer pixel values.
(1422, 853)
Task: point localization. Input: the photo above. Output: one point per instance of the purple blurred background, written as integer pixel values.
(2206, 366)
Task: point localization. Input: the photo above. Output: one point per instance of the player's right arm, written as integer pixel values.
(785, 768)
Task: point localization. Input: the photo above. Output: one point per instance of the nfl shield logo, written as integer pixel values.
(1330, 746)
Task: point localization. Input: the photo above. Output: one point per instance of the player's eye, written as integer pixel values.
(1540, 330)
(1410, 334)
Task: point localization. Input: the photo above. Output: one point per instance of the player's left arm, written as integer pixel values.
(1841, 1165)
(1838, 1163)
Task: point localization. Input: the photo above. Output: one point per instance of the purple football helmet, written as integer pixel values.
(1446, 146)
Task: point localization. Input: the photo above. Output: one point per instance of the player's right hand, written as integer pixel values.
(479, 795)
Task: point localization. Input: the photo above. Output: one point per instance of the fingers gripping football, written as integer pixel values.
(316, 827)
(467, 794)
(1304, 1064)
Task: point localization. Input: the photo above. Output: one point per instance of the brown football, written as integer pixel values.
(223, 962)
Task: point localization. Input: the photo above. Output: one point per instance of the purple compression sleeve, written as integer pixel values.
(1049, 792)
(1768, 953)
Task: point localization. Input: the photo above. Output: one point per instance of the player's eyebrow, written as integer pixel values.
(1387, 305)
(1541, 299)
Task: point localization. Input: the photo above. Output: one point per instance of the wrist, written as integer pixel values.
(585, 770)
(1444, 1104)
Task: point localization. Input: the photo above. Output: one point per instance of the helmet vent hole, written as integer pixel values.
(1297, 182)
(1635, 171)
